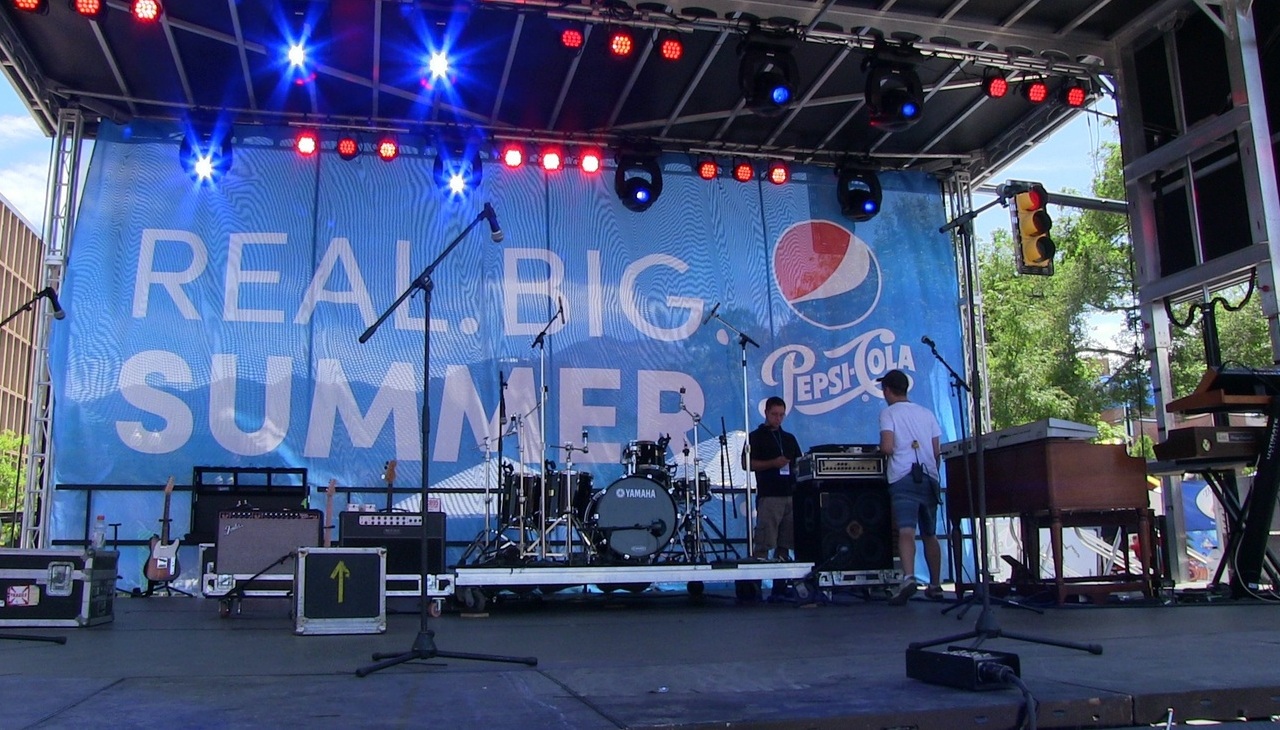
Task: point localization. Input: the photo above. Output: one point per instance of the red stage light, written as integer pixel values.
(744, 171)
(388, 150)
(1036, 91)
(147, 10)
(671, 49)
(621, 43)
(708, 169)
(589, 161)
(1074, 94)
(779, 173)
(88, 8)
(513, 156)
(348, 148)
(31, 6)
(572, 38)
(552, 159)
(995, 85)
(306, 143)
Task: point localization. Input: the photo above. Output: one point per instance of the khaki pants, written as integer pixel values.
(775, 527)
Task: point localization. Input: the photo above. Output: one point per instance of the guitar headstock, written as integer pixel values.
(168, 487)
(389, 474)
(333, 487)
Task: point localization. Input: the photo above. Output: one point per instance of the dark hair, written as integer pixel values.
(774, 400)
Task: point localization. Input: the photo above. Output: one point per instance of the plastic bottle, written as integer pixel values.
(98, 538)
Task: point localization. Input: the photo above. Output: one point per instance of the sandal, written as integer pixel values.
(934, 593)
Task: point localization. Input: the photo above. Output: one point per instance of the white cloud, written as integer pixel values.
(18, 127)
(23, 185)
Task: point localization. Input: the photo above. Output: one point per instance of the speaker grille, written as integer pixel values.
(844, 524)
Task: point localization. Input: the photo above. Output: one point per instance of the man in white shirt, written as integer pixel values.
(909, 438)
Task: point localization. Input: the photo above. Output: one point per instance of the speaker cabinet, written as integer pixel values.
(844, 524)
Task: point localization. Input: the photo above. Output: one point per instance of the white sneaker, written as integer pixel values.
(905, 591)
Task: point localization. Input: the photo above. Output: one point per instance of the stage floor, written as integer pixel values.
(636, 661)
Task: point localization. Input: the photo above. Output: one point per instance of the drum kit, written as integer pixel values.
(561, 515)
(548, 516)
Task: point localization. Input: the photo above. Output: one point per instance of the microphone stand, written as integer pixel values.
(743, 340)
(424, 645)
(986, 627)
(540, 342)
(13, 315)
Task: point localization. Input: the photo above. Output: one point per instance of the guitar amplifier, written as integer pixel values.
(851, 461)
(401, 534)
(253, 541)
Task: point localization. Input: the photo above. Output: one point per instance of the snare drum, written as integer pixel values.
(633, 518)
(643, 456)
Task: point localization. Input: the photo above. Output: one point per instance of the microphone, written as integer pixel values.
(52, 296)
(584, 440)
(657, 527)
(928, 341)
(494, 231)
(561, 300)
(710, 314)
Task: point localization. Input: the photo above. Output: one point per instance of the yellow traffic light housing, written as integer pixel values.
(1031, 223)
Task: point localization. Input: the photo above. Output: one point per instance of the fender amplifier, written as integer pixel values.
(253, 541)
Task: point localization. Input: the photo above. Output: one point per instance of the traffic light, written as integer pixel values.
(1031, 224)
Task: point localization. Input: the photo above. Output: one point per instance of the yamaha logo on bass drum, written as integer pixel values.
(633, 493)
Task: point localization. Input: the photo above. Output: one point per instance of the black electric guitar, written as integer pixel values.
(162, 563)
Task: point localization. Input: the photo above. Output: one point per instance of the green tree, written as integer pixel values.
(1242, 337)
(11, 473)
(1042, 360)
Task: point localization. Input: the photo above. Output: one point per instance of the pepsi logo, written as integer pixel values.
(828, 276)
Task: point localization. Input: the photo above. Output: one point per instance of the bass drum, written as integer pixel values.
(633, 518)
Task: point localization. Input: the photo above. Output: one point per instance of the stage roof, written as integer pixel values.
(516, 79)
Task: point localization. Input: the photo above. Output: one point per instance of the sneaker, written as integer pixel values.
(905, 591)
(934, 593)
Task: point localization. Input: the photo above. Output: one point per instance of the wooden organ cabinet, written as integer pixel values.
(1057, 483)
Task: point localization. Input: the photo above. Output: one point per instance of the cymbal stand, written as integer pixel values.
(743, 340)
(695, 496)
(540, 344)
(485, 540)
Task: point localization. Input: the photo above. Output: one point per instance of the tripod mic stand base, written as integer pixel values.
(987, 628)
(424, 647)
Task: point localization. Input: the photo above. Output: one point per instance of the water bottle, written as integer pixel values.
(98, 538)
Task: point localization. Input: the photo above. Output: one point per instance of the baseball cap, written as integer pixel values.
(895, 379)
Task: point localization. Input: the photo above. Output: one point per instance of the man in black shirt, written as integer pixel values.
(773, 455)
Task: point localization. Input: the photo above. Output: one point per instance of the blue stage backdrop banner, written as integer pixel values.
(218, 325)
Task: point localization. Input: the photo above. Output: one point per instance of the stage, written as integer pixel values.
(638, 660)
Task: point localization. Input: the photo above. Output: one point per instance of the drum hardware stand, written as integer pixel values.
(743, 340)
(694, 512)
(567, 518)
(986, 627)
(424, 644)
(544, 391)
